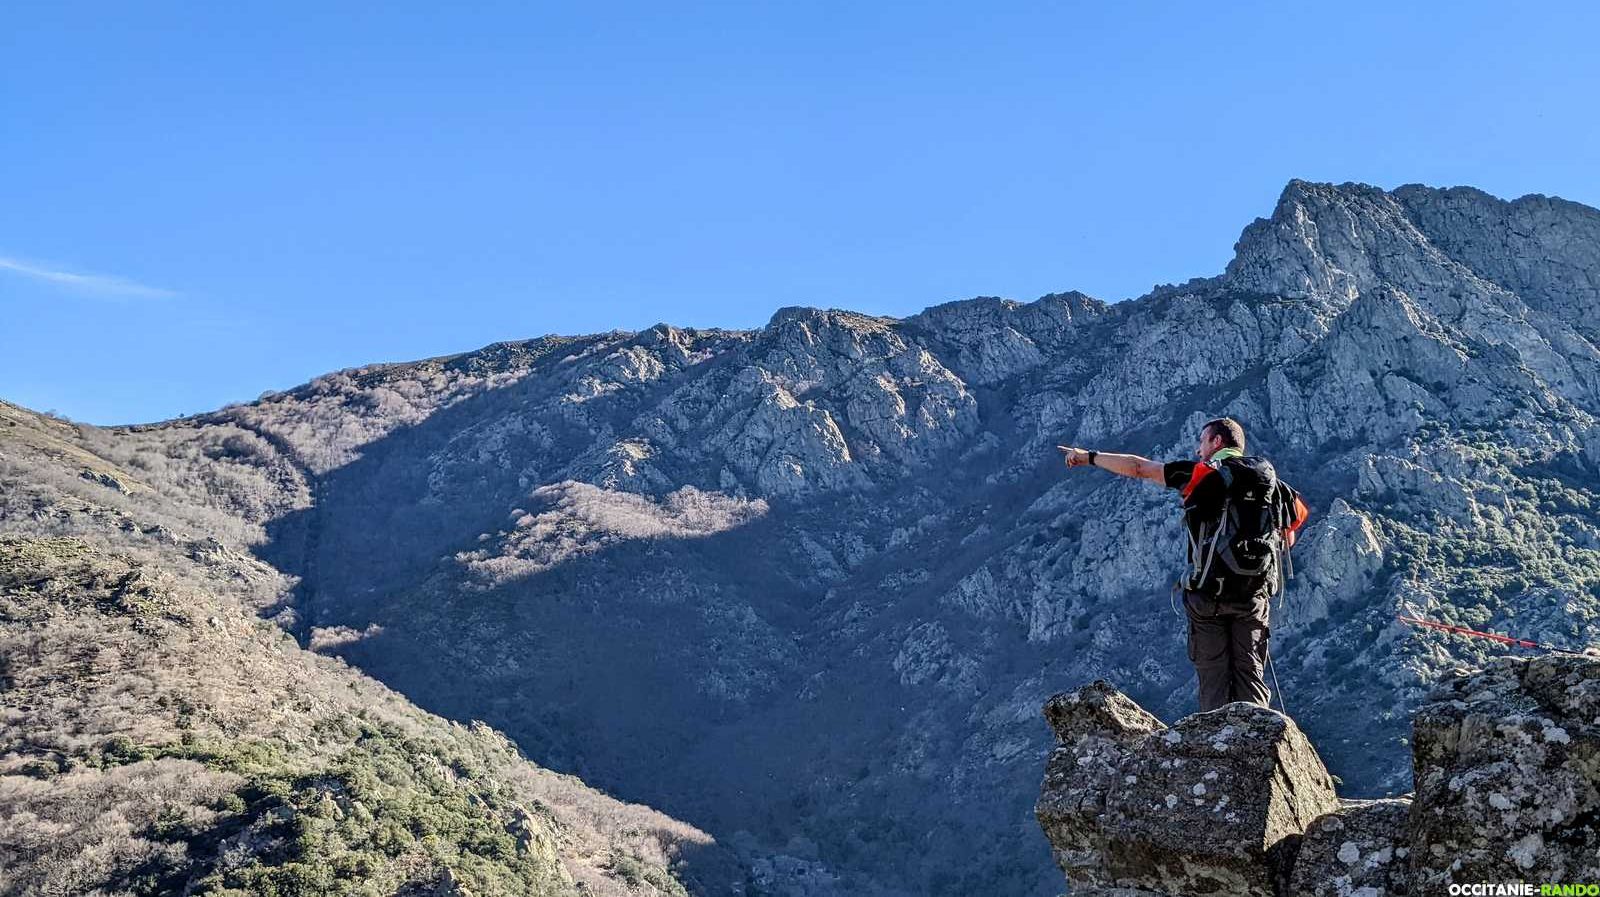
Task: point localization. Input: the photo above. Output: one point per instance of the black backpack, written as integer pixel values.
(1242, 552)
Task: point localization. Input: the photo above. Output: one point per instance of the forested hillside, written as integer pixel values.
(160, 736)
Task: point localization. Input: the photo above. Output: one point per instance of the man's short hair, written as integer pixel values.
(1231, 431)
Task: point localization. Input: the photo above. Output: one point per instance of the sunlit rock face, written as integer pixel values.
(812, 580)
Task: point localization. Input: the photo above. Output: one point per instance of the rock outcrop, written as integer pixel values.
(1212, 805)
(1508, 789)
(1359, 850)
(1508, 775)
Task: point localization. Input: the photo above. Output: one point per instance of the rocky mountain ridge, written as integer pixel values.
(803, 586)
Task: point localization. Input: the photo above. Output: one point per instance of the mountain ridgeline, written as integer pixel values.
(805, 587)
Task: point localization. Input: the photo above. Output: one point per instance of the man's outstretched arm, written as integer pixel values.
(1121, 465)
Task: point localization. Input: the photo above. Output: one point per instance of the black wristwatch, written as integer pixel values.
(1092, 453)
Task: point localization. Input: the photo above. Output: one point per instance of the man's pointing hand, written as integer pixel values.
(1075, 457)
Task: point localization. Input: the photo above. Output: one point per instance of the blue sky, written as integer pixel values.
(206, 201)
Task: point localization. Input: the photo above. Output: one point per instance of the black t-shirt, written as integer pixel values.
(1199, 485)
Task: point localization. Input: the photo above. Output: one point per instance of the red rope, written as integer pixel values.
(1503, 639)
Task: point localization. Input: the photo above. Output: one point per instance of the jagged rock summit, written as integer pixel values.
(1236, 801)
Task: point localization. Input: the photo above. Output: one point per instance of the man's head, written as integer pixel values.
(1219, 434)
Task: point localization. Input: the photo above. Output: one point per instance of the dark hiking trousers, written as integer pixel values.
(1228, 646)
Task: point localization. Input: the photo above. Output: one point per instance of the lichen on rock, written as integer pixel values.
(1214, 804)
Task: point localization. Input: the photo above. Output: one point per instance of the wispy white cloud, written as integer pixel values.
(92, 284)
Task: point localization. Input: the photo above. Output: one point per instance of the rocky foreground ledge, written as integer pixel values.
(1236, 801)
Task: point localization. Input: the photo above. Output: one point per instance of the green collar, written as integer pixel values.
(1223, 454)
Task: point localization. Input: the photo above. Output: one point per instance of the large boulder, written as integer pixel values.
(1096, 728)
(1213, 805)
(1507, 768)
(1358, 850)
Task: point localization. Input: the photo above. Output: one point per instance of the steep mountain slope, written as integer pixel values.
(805, 586)
(158, 736)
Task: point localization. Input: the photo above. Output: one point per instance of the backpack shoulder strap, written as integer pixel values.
(1224, 471)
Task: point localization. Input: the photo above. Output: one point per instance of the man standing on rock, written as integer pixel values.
(1241, 520)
